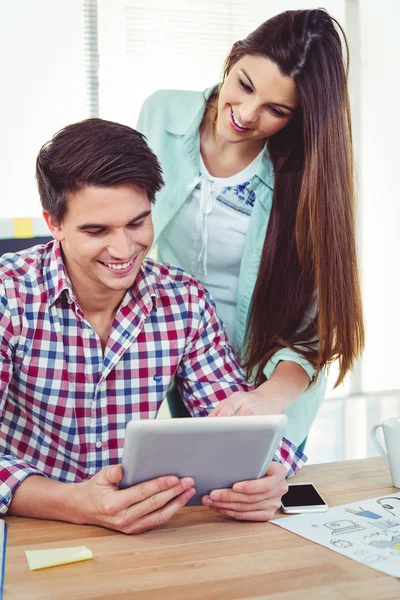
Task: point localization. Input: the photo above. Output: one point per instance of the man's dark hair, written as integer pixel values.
(96, 153)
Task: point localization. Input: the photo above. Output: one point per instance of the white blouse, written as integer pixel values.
(206, 236)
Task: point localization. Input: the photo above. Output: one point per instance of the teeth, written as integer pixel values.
(119, 266)
(237, 122)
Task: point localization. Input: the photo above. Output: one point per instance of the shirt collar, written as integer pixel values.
(143, 291)
(265, 169)
(186, 122)
(55, 273)
(188, 119)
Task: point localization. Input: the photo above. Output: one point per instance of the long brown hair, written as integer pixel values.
(307, 294)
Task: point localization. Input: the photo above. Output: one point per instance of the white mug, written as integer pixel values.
(391, 433)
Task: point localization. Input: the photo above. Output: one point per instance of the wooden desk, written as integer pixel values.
(199, 555)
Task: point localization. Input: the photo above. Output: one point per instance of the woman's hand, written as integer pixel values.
(247, 403)
(287, 383)
(256, 500)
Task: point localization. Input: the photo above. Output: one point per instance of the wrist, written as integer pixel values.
(273, 394)
(77, 503)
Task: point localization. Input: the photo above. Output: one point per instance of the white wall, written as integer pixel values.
(147, 45)
(380, 196)
(42, 90)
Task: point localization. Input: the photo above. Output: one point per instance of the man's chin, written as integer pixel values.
(124, 283)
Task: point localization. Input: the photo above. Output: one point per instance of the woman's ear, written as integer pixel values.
(55, 228)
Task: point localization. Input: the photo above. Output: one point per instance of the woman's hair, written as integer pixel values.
(307, 294)
(96, 153)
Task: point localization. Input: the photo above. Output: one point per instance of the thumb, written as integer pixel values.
(113, 474)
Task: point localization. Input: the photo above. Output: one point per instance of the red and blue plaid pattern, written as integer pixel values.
(64, 405)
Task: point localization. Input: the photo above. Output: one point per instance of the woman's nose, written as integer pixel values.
(248, 113)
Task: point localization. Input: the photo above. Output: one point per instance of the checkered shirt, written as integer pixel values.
(64, 404)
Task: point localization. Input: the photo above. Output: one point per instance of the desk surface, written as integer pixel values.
(199, 554)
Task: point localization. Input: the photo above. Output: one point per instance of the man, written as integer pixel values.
(92, 334)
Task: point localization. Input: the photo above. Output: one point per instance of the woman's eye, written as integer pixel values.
(276, 112)
(244, 86)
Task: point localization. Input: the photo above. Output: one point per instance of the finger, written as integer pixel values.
(265, 505)
(157, 501)
(113, 474)
(229, 496)
(229, 406)
(215, 411)
(257, 515)
(115, 503)
(161, 516)
(275, 476)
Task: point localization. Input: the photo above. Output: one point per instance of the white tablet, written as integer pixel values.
(216, 451)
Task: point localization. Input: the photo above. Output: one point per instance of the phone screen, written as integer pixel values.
(302, 495)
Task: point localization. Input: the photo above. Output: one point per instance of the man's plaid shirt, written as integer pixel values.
(64, 404)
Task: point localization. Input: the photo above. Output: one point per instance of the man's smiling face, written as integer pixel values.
(105, 235)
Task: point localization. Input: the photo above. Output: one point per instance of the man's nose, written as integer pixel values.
(121, 245)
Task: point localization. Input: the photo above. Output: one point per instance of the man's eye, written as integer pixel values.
(95, 232)
(136, 225)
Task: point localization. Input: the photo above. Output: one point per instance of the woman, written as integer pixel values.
(259, 205)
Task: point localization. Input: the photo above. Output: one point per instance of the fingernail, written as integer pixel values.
(215, 496)
(187, 482)
(237, 487)
(206, 500)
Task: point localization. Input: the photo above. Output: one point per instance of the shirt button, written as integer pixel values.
(98, 443)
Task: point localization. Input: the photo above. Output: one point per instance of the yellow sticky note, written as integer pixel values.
(23, 228)
(41, 559)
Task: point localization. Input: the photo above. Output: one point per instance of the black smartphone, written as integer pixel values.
(303, 498)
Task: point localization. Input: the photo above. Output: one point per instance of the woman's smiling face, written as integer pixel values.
(255, 101)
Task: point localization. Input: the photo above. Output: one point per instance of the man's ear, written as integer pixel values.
(55, 228)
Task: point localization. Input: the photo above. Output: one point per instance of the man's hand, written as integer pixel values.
(256, 500)
(135, 509)
(99, 501)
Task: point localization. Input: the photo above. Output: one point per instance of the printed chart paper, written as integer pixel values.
(366, 531)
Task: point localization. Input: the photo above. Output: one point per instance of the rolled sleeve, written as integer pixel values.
(12, 474)
(286, 354)
(290, 456)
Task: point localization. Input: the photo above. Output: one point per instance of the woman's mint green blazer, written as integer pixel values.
(170, 120)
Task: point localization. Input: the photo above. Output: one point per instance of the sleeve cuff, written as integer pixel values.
(289, 355)
(11, 476)
(290, 456)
